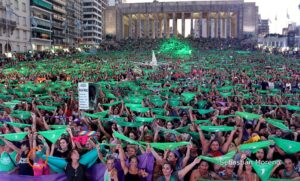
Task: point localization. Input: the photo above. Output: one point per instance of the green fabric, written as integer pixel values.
(96, 115)
(130, 124)
(168, 145)
(47, 108)
(247, 115)
(288, 146)
(205, 111)
(217, 128)
(125, 138)
(144, 119)
(6, 163)
(263, 170)
(202, 121)
(58, 126)
(140, 109)
(15, 136)
(52, 135)
(18, 125)
(256, 145)
(221, 160)
(278, 125)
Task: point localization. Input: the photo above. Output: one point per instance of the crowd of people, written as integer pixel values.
(216, 115)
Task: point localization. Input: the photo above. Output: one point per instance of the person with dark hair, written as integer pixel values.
(111, 173)
(23, 166)
(289, 171)
(203, 172)
(75, 171)
(131, 172)
(245, 171)
(170, 175)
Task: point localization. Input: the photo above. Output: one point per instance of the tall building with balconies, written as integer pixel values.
(93, 20)
(59, 24)
(14, 26)
(74, 22)
(41, 26)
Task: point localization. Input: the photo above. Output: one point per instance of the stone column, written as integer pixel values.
(240, 23)
(200, 24)
(208, 25)
(147, 26)
(165, 25)
(156, 26)
(119, 29)
(174, 25)
(192, 24)
(139, 23)
(219, 25)
(183, 24)
(130, 26)
(153, 22)
(227, 25)
(160, 27)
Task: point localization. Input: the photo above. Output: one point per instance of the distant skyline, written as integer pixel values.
(268, 9)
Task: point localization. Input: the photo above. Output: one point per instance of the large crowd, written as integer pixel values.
(215, 115)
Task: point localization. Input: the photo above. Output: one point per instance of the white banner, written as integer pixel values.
(83, 95)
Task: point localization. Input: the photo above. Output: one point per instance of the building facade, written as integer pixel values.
(74, 22)
(93, 21)
(14, 26)
(41, 27)
(222, 19)
(263, 27)
(59, 23)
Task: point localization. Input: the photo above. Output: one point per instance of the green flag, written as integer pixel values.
(221, 160)
(52, 135)
(263, 170)
(15, 136)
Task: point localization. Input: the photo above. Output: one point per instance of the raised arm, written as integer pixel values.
(202, 140)
(186, 169)
(187, 156)
(10, 145)
(122, 159)
(225, 147)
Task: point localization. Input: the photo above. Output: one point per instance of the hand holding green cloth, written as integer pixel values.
(14, 136)
(133, 105)
(278, 125)
(130, 124)
(288, 146)
(144, 119)
(140, 109)
(221, 160)
(52, 135)
(263, 170)
(47, 108)
(168, 145)
(58, 126)
(23, 115)
(217, 128)
(256, 145)
(125, 138)
(96, 115)
(291, 107)
(205, 111)
(89, 158)
(18, 125)
(202, 121)
(247, 115)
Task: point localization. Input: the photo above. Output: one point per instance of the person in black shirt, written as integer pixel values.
(74, 170)
(63, 150)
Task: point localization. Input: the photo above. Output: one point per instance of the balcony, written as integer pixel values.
(42, 4)
(59, 9)
(57, 25)
(42, 22)
(5, 22)
(58, 17)
(61, 2)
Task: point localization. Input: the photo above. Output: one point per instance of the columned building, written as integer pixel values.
(14, 26)
(214, 19)
(93, 21)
